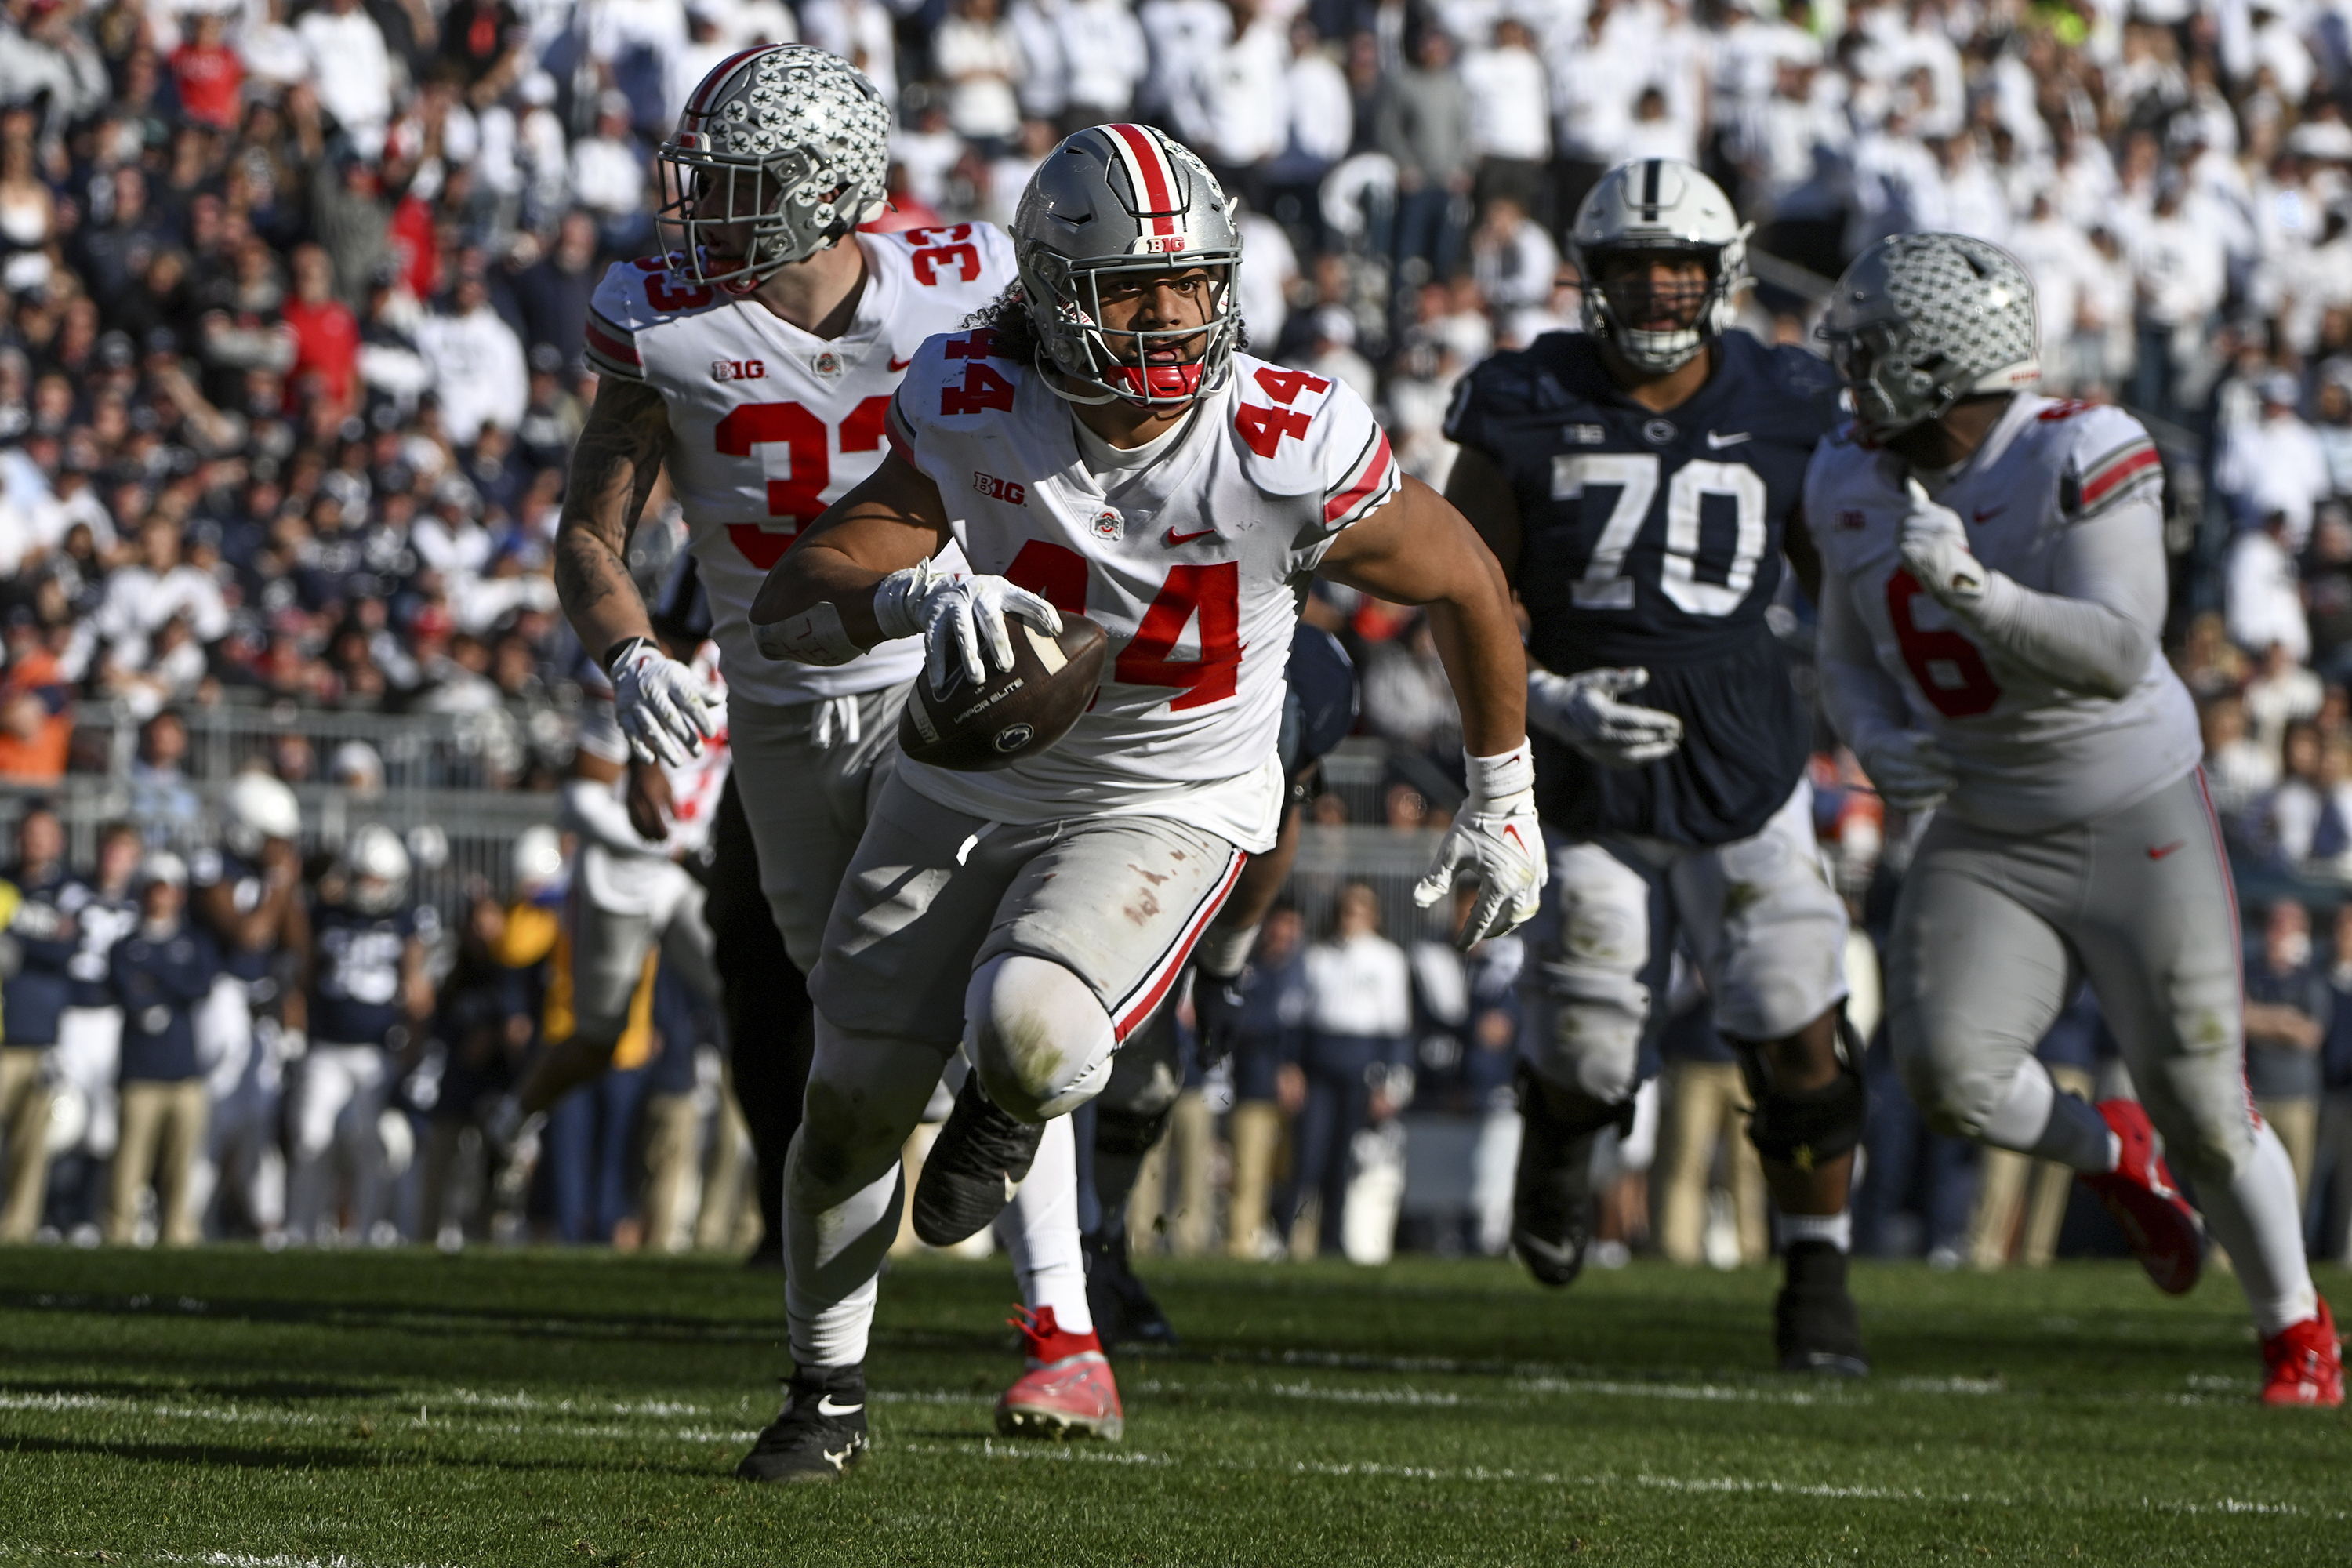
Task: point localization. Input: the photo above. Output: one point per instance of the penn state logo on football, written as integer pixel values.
(1013, 737)
(1107, 524)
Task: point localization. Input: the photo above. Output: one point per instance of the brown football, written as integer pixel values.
(1014, 713)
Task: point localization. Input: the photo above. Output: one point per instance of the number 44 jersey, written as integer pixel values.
(769, 425)
(1655, 538)
(1193, 561)
(2030, 754)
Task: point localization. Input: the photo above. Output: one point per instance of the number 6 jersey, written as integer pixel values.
(1191, 553)
(1653, 539)
(2030, 756)
(769, 425)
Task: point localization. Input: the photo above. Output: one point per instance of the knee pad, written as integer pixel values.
(1128, 1133)
(1041, 1039)
(1583, 1114)
(1805, 1127)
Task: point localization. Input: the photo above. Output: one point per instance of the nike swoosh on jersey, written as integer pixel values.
(2158, 851)
(1174, 538)
(902, 363)
(1719, 442)
(825, 1406)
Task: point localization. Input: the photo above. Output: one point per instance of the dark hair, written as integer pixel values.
(1008, 317)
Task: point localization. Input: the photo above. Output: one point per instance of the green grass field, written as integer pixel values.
(236, 1408)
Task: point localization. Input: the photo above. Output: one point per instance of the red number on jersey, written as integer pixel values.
(1951, 673)
(979, 344)
(1263, 429)
(938, 234)
(1055, 573)
(2065, 408)
(661, 295)
(1285, 385)
(799, 498)
(1213, 593)
(930, 258)
(982, 389)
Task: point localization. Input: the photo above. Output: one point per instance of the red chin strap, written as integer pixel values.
(1158, 383)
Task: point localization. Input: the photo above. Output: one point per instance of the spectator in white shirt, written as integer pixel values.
(2238, 768)
(1234, 107)
(2281, 693)
(2262, 595)
(976, 53)
(1510, 128)
(2274, 464)
(479, 370)
(859, 31)
(1512, 258)
(1358, 1054)
(608, 178)
(2183, 273)
(1103, 54)
(141, 596)
(350, 70)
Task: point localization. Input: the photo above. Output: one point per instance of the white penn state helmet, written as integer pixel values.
(789, 142)
(374, 864)
(257, 809)
(1652, 205)
(1921, 320)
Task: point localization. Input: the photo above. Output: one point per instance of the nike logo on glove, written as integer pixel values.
(1175, 538)
(1719, 442)
(825, 1406)
(902, 363)
(2158, 851)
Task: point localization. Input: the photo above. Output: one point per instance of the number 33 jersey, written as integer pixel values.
(1654, 539)
(1193, 564)
(2030, 756)
(769, 425)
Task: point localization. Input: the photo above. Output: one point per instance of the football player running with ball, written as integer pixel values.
(1102, 448)
(1994, 590)
(1639, 482)
(756, 361)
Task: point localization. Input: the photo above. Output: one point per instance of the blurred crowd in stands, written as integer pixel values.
(291, 302)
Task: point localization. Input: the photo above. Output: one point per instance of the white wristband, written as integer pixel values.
(1500, 777)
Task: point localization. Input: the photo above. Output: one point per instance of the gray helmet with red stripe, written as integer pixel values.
(781, 151)
(1124, 202)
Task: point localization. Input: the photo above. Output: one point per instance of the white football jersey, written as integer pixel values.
(1194, 565)
(2031, 754)
(769, 425)
(693, 786)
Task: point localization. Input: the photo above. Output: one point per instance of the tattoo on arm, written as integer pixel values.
(614, 469)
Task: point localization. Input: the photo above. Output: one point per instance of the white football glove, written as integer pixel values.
(660, 705)
(1495, 832)
(1935, 545)
(1582, 710)
(1908, 770)
(956, 619)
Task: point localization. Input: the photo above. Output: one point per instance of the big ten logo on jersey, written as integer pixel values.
(665, 290)
(948, 248)
(1006, 490)
(739, 370)
(801, 439)
(1263, 427)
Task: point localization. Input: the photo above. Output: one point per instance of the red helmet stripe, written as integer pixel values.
(701, 102)
(1149, 174)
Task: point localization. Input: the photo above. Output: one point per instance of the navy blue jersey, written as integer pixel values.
(31, 999)
(247, 887)
(101, 920)
(355, 988)
(1654, 539)
(159, 981)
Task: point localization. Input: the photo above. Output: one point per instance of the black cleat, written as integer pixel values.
(1814, 1326)
(1551, 1204)
(979, 1159)
(1124, 1312)
(820, 1432)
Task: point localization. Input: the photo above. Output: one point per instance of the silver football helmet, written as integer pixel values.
(781, 151)
(258, 808)
(1921, 320)
(1659, 204)
(375, 866)
(1118, 204)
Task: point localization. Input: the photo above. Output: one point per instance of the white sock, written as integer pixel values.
(1837, 1229)
(833, 1267)
(1040, 1233)
(2256, 1216)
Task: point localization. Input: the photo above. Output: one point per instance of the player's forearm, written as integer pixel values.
(2098, 631)
(593, 583)
(590, 809)
(817, 597)
(1479, 645)
(614, 464)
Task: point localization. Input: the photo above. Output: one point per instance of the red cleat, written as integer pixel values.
(1068, 1392)
(2165, 1232)
(2304, 1364)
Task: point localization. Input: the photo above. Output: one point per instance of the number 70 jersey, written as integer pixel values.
(769, 425)
(1193, 563)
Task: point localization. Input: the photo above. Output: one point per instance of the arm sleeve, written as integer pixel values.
(1864, 702)
(2098, 631)
(591, 808)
